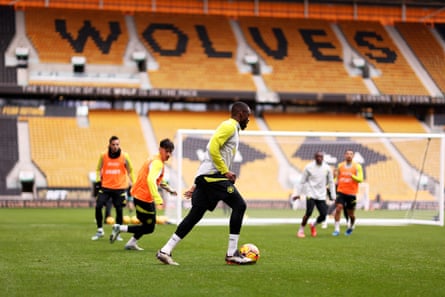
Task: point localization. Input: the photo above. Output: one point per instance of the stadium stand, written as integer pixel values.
(418, 152)
(316, 122)
(427, 49)
(305, 55)
(252, 173)
(312, 123)
(99, 37)
(199, 46)
(382, 171)
(375, 45)
(67, 153)
(8, 75)
(440, 27)
(59, 34)
(197, 49)
(11, 110)
(124, 124)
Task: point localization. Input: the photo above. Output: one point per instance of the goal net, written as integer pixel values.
(403, 174)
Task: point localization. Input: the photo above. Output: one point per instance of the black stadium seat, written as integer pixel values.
(8, 151)
(7, 30)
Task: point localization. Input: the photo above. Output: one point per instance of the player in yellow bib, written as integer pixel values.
(215, 181)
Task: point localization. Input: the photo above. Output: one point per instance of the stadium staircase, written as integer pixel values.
(257, 69)
(24, 163)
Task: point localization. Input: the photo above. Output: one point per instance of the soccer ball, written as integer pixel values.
(250, 251)
(161, 220)
(135, 220)
(126, 220)
(110, 220)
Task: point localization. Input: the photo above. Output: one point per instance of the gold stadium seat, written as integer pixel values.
(66, 153)
(382, 171)
(300, 68)
(426, 48)
(183, 63)
(416, 152)
(377, 47)
(58, 34)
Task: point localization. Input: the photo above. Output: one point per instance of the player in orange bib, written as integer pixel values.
(349, 174)
(146, 196)
(113, 173)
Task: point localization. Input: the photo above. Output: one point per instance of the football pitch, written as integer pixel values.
(48, 252)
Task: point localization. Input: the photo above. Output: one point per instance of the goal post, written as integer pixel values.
(403, 184)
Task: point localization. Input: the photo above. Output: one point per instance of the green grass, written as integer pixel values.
(48, 252)
(426, 215)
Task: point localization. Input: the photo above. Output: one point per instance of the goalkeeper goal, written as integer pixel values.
(403, 174)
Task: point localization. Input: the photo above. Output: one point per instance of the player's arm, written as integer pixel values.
(331, 185)
(222, 134)
(99, 168)
(299, 185)
(130, 168)
(336, 173)
(98, 183)
(359, 176)
(164, 185)
(155, 171)
(188, 194)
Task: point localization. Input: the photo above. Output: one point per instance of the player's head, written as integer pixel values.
(241, 111)
(113, 144)
(166, 148)
(349, 154)
(318, 157)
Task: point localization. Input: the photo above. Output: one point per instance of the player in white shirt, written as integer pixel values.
(316, 178)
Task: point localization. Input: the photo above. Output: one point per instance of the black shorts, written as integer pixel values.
(348, 201)
(118, 197)
(210, 189)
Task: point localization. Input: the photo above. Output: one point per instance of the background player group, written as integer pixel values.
(318, 180)
(215, 182)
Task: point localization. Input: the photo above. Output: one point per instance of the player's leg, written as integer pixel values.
(146, 214)
(345, 213)
(350, 207)
(108, 207)
(329, 213)
(322, 208)
(119, 199)
(309, 209)
(231, 196)
(238, 206)
(101, 199)
(195, 214)
(339, 205)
